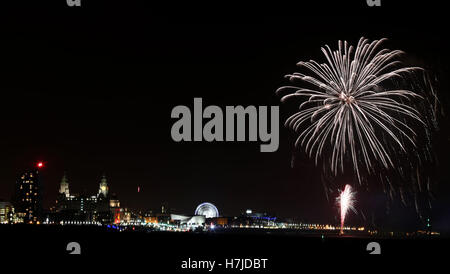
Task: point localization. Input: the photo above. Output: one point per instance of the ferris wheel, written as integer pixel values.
(208, 210)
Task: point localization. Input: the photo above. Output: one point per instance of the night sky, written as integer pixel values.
(90, 91)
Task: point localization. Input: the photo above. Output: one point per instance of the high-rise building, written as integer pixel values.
(6, 212)
(27, 196)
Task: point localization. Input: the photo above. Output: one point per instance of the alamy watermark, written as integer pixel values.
(73, 3)
(235, 118)
(373, 3)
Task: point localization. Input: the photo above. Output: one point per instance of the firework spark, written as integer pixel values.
(346, 202)
(349, 109)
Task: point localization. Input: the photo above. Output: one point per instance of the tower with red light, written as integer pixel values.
(27, 195)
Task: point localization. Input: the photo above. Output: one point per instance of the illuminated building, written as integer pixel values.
(123, 216)
(27, 196)
(117, 212)
(85, 208)
(249, 218)
(6, 213)
(208, 210)
(260, 219)
(103, 189)
(202, 212)
(221, 221)
(114, 201)
(64, 186)
(188, 221)
(104, 214)
(74, 207)
(151, 219)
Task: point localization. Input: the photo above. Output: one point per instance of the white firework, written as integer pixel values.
(346, 202)
(349, 108)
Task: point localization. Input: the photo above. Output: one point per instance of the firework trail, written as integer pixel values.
(346, 202)
(363, 110)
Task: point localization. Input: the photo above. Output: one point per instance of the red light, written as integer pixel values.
(40, 164)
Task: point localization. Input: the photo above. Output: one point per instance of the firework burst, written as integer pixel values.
(347, 108)
(364, 111)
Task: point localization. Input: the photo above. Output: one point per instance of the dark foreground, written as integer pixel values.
(171, 249)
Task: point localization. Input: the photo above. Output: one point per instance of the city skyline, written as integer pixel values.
(115, 206)
(65, 190)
